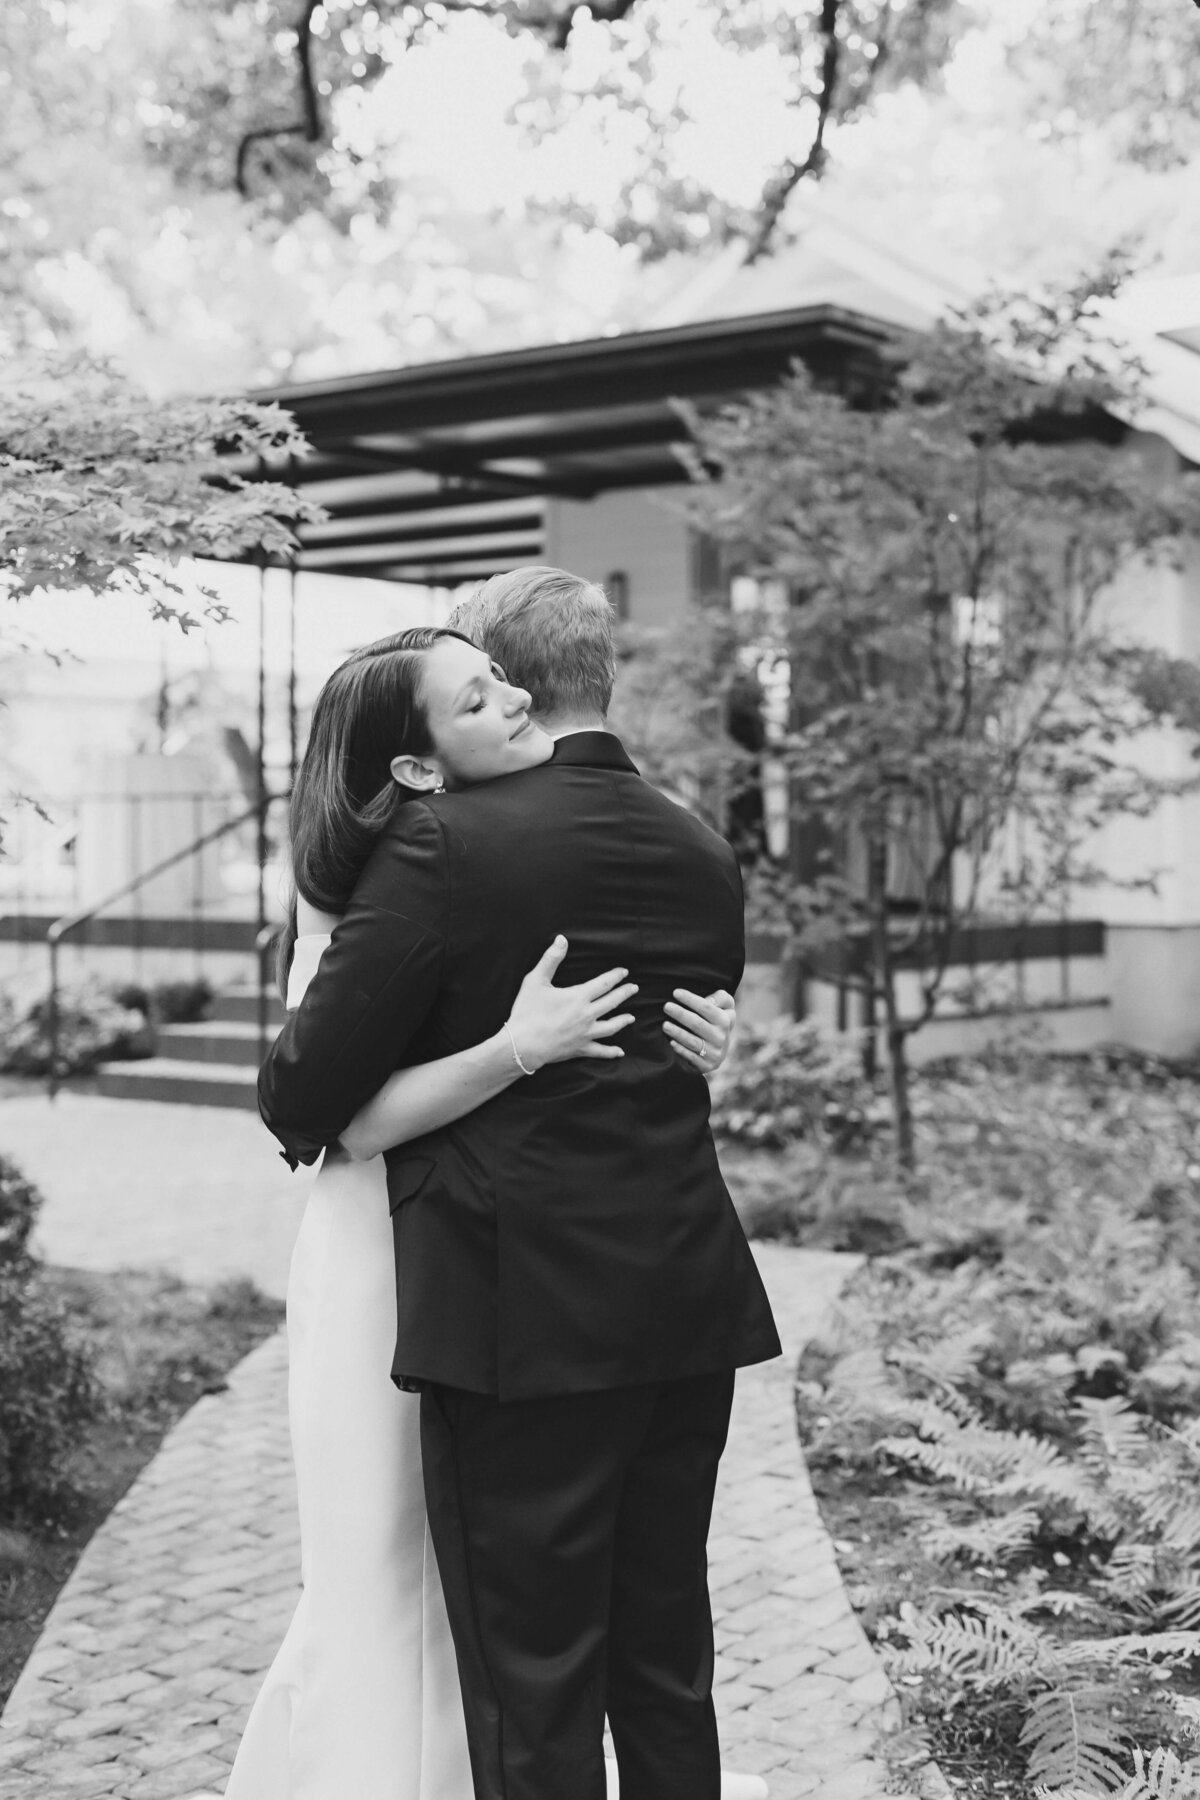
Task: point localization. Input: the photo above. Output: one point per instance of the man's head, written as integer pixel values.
(552, 633)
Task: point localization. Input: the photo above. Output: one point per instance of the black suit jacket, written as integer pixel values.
(573, 1233)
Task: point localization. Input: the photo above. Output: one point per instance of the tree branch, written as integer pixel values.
(310, 127)
(605, 12)
(554, 23)
(781, 188)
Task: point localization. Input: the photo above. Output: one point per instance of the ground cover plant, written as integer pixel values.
(804, 1137)
(96, 1023)
(94, 1370)
(1003, 1427)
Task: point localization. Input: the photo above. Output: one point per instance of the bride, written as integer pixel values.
(362, 1699)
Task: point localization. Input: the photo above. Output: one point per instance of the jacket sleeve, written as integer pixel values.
(372, 993)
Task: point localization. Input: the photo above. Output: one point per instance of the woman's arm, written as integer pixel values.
(547, 1024)
(416, 1100)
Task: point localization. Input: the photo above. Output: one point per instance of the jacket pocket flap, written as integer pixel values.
(406, 1178)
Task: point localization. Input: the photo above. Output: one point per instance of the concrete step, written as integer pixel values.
(239, 1006)
(213, 1041)
(197, 1083)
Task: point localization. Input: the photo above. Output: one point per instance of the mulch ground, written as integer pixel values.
(157, 1345)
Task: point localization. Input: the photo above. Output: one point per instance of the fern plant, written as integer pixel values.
(1047, 1402)
(1085, 1701)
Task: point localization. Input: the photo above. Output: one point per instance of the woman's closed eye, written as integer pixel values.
(481, 698)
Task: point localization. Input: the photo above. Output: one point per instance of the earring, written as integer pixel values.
(441, 785)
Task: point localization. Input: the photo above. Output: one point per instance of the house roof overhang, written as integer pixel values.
(440, 472)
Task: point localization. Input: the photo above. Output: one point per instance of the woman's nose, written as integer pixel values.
(518, 699)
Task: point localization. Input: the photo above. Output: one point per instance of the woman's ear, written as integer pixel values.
(417, 772)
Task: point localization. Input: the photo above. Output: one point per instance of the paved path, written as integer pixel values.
(197, 1190)
(141, 1681)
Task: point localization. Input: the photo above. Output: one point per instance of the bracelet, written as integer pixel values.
(516, 1053)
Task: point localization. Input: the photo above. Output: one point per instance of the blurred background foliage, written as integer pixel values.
(225, 191)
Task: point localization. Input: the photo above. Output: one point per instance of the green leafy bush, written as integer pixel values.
(790, 1082)
(167, 1002)
(46, 1385)
(93, 1027)
(1028, 1396)
(20, 1203)
(47, 1388)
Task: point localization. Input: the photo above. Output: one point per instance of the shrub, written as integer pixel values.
(46, 1393)
(1033, 1413)
(92, 1027)
(167, 1002)
(20, 1203)
(789, 1082)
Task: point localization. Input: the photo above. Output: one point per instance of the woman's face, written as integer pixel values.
(478, 721)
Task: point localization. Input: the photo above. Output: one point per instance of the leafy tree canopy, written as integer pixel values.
(104, 489)
(266, 106)
(1127, 70)
(222, 191)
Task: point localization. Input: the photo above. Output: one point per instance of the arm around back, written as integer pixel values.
(372, 993)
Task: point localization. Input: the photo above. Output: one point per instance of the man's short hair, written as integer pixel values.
(551, 632)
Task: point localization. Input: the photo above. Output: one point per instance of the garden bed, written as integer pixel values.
(1004, 1428)
(154, 1347)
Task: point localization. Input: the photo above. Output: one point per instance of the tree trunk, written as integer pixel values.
(902, 1118)
(884, 983)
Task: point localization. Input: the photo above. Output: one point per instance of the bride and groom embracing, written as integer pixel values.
(513, 1546)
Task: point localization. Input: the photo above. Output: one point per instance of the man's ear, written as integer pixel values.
(417, 772)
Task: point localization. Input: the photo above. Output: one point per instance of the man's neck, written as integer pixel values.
(561, 725)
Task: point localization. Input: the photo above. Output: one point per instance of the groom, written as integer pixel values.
(574, 1289)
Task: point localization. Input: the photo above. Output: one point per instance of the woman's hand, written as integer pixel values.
(550, 1024)
(701, 1030)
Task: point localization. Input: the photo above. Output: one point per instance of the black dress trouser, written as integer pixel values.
(570, 1535)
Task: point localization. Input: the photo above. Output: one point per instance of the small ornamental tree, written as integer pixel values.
(104, 488)
(946, 547)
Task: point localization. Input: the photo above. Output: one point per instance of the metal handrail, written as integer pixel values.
(72, 921)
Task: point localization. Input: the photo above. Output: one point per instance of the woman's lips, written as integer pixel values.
(520, 731)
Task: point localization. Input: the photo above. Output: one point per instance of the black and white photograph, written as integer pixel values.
(599, 900)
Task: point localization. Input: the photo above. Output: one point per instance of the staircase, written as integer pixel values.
(213, 1063)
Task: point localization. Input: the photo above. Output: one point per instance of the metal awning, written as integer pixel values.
(440, 472)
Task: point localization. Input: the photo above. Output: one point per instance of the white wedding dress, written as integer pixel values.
(363, 1698)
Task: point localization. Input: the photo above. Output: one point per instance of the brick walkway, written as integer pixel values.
(143, 1677)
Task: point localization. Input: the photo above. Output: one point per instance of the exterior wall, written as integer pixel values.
(1062, 1005)
(1155, 974)
(146, 809)
(765, 994)
(634, 533)
(1154, 929)
(1070, 1030)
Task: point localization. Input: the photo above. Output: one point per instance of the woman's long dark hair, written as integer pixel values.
(370, 710)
